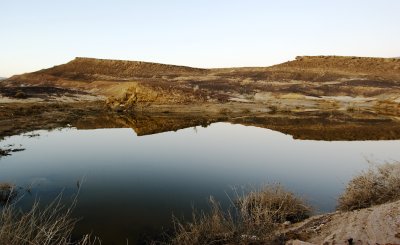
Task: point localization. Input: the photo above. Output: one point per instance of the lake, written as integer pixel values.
(131, 185)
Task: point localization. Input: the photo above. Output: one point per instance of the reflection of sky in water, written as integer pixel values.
(142, 180)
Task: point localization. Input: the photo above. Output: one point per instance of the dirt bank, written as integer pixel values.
(17, 118)
(375, 225)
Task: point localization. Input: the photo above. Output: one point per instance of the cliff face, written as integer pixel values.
(307, 82)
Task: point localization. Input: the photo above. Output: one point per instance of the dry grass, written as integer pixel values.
(52, 225)
(7, 193)
(252, 219)
(273, 204)
(379, 184)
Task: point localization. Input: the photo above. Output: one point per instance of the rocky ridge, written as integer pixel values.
(307, 83)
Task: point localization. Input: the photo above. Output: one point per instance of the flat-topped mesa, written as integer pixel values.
(389, 67)
(338, 57)
(82, 67)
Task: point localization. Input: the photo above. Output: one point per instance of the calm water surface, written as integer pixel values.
(132, 184)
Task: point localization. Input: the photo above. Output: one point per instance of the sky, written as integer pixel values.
(204, 33)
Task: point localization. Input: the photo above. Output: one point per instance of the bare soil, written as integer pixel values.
(376, 225)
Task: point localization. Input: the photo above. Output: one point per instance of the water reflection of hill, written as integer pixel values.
(329, 127)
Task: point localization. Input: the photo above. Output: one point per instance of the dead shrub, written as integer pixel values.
(52, 225)
(251, 219)
(215, 227)
(377, 185)
(273, 204)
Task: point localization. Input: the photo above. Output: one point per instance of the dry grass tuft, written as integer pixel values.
(273, 204)
(7, 193)
(252, 219)
(52, 225)
(379, 184)
(215, 227)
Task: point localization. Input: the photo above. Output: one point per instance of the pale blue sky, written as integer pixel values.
(208, 33)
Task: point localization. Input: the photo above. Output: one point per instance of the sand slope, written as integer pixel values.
(375, 225)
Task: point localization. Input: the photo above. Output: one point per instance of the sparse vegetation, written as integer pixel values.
(273, 204)
(253, 218)
(52, 225)
(379, 184)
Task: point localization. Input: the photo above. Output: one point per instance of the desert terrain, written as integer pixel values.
(344, 96)
(307, 83)
(311, 97)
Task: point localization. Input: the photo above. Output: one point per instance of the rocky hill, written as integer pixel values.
(387, 68)
(308, 82)
(91, 69)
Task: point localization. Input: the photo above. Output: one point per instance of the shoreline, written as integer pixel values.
(16, 118)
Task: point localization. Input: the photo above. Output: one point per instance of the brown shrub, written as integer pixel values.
(379, 184)
(52, 225)
(252, 219)
(273, 204)
(215, 227)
